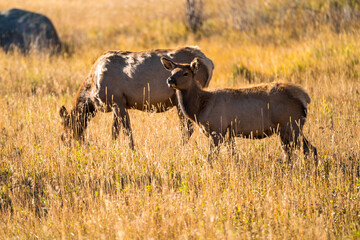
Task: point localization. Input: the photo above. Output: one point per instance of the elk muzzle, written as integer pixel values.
(171, 82)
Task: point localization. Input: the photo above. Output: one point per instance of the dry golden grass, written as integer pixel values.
(165, 190)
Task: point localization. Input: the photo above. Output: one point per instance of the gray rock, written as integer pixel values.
(27, 30)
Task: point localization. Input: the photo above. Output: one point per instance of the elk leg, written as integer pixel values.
(230, 144)
(215, 140)
(288, 142)
(122, 119)
(307, 148)
(187, 126)
(287, 149)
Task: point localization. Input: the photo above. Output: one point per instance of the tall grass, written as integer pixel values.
(101, 189)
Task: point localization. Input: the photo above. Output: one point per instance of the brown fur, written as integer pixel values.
(121, 80)
(256, 111)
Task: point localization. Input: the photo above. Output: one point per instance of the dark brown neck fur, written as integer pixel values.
(192, 101)
(84, 109)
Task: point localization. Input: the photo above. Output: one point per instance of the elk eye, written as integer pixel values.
(186, 73)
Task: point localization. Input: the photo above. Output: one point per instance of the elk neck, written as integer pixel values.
(192, 100)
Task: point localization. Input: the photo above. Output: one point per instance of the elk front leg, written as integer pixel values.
(214, 142)
(122, 119)
(186, 125)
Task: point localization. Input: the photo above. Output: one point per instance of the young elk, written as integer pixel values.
(121, 80)
(253, 112)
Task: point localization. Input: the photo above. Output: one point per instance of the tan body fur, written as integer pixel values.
(121, 80)
(256, 111)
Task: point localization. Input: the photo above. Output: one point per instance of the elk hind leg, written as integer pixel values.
(308, 149)
(289, 140)
(286, 146)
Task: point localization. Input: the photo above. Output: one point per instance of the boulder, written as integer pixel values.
(27, 30)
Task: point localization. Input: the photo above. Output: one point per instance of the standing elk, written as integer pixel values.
(253, 112)
(122, 80)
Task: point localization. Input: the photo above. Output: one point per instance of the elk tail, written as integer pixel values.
(296, 92)
(300, 94)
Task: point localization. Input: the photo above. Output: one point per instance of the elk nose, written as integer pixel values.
(171, 82)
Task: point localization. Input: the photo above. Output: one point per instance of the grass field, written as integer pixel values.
(164, 190)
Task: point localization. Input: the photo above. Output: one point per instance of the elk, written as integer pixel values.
(122, 80)
(257, 111)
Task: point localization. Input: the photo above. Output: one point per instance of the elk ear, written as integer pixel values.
(167, 63)
(64, 116)
(194, 65)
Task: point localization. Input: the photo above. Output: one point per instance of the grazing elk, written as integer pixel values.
(254, 112)
(121, 80)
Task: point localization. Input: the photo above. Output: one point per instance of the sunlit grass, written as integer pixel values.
(102, 189)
